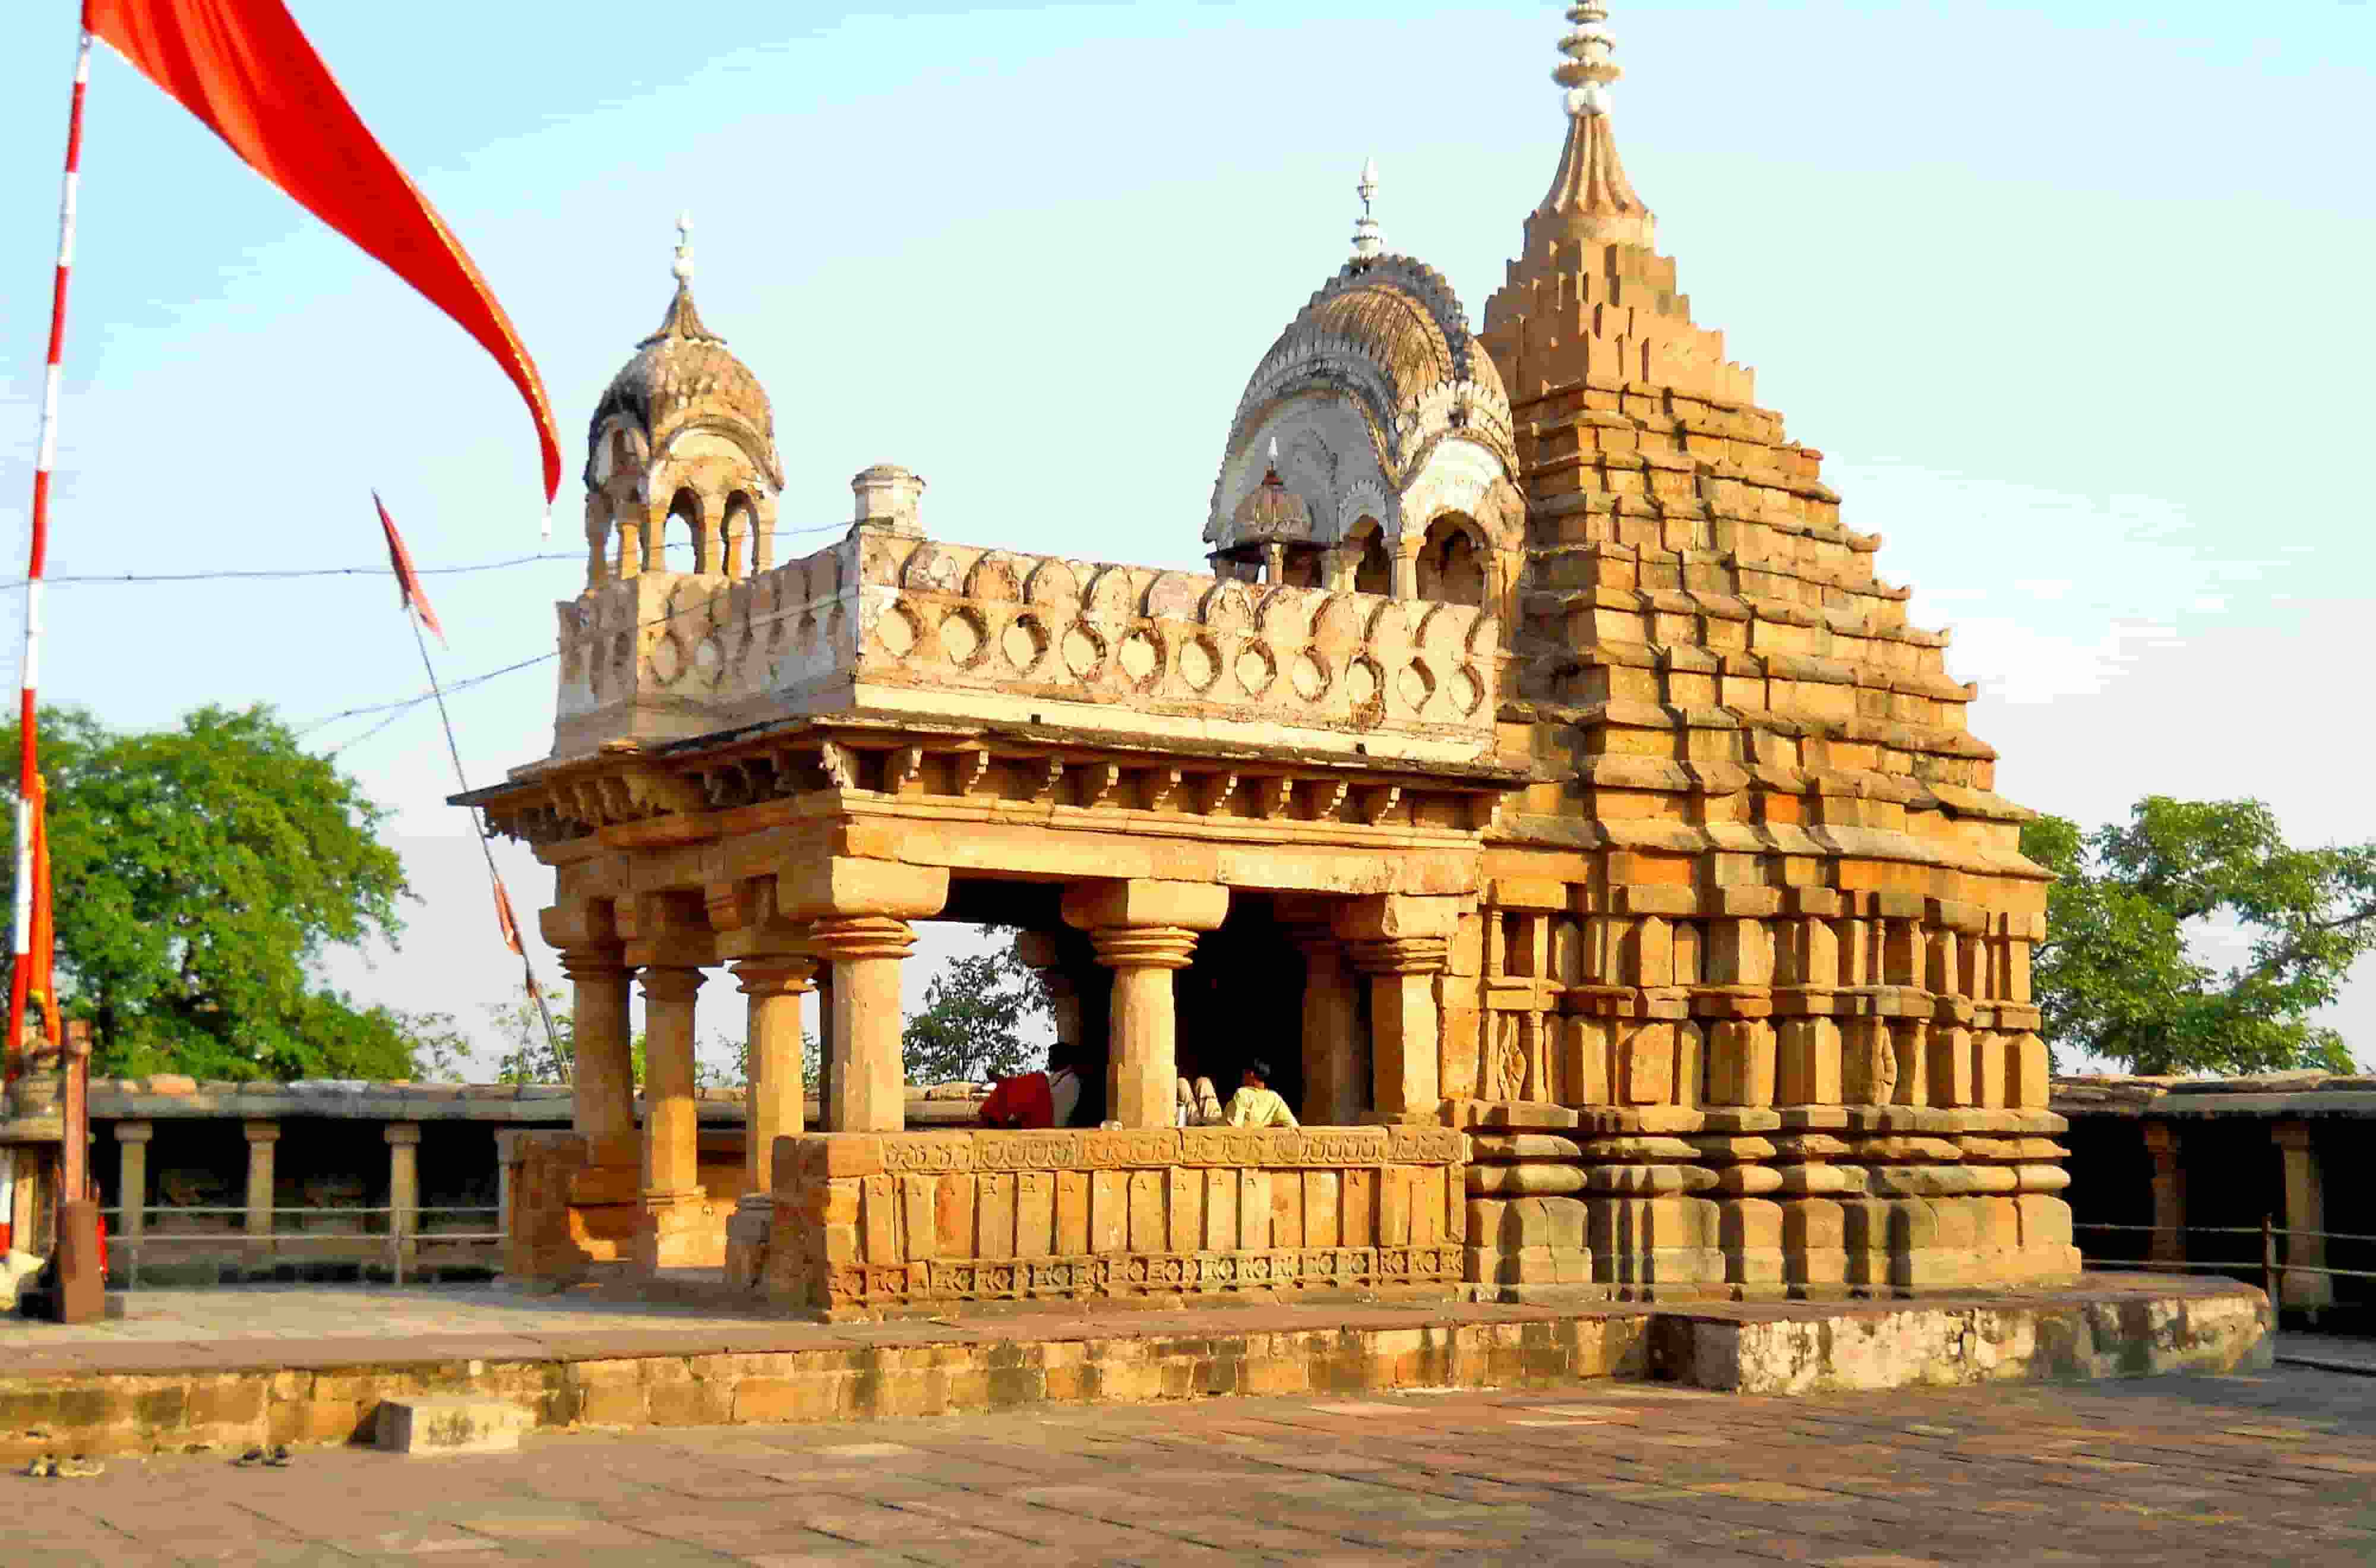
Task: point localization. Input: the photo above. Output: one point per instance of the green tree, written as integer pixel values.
(975, 1011)
(200, 874)
(2119, 976)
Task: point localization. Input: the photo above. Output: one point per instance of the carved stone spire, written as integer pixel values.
(682, 320)
(1369, 240)
(1590, 197)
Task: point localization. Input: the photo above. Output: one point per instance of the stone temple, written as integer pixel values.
(1539, 775)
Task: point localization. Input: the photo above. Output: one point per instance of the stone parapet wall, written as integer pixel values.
(883, 622)
(865, 1224)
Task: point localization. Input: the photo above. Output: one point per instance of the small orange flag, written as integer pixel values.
(408, 581)
(504, 919)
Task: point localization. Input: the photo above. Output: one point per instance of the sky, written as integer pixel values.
(2073, 296)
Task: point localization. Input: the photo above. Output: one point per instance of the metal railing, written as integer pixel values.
(404, 1234)
(2269, 1268)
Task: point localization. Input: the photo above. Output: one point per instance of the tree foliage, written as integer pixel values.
(2119, 974)
(200, 874)
(975, 1013)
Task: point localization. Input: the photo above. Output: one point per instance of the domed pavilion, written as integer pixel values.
(1540, 778)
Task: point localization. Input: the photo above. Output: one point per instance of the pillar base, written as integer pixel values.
(678, 1230)
(746, 1240)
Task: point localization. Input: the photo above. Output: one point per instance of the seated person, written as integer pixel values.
(1037, 1099)
(1200, 1105)
(1257, 1104)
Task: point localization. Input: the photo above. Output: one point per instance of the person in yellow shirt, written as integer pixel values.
(1256, 1104)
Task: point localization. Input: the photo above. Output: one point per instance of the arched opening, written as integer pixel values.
(742, 519)
(1374, 570)
(1451, 563)
(685, 505)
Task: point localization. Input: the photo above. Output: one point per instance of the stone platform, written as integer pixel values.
(194, 1369)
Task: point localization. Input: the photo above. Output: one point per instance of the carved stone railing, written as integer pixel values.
(867, 1223)
(893, 624)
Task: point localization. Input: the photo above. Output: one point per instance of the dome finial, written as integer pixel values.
(683, 268)
(1369, 240)
(1587, 70)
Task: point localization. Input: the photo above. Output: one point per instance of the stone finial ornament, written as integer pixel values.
(682, 269)
(1587, 70)
(1369, 240)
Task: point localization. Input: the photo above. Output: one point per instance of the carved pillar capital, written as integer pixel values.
(593, 966)
(774, 975)
(671, 983)
(844, 938)
(134, 1132)
(2291, 1135)
(1144, 947)
(1400, 955)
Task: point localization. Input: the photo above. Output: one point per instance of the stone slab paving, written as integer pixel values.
(2275, 1468)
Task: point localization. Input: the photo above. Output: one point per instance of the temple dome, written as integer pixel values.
(683, 376)
(1377, 372)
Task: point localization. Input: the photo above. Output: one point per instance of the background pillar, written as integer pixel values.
(2305, 1211)
(1406, 1043)
(261, 1136)
(1333, 1070)
(132, 1188)
(867, 1082)
(2168, 1194)
(404, 1192)
(777, 1089)
(1143, 1075)
(603, 1076)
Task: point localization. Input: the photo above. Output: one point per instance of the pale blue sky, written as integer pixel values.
(2074, 296)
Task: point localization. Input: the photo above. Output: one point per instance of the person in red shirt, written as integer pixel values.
(1037, 1099)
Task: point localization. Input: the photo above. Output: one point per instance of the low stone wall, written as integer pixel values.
(132, 1398)
(867, 1223)
(576, 1200)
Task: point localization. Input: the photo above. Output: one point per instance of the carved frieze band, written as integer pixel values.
(1142, 1274)
(922, 1154)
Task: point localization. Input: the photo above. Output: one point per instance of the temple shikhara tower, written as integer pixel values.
(1540, 777)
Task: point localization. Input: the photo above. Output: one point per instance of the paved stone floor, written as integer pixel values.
(2279, 1468)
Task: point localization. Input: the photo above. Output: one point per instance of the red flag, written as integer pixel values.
(408, 581)
(244, 67)
(504, 919)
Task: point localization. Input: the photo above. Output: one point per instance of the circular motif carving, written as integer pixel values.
(1082, 651)
(1141, 659)
(667, 660)
(709, 659)
(1468, 691)
(897, 632)
(1415, 685)
(961, 637)
(1362, 682)
(1023, 643)
(1199, 665)
(1254, 669)
(1308, 676)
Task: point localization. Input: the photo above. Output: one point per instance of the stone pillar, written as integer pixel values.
(404, 1191)
(1406, 1044)
(2169, 1244)
(866, 1080)
(1406, 568)
(603, 1079)
(261, 1136)
(1332, 1048)
(132, 1187)
(2305, 1211)
(671, 1185)
(1143, 931)
(775, 986)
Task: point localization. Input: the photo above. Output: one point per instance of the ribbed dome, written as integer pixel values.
(683, 372)
(1391, 331)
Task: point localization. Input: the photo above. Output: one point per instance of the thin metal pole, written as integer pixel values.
(478, 829)
(2269, 1259)
(37, 554)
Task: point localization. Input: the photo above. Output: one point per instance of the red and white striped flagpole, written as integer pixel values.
(37, 556)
